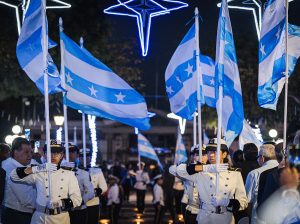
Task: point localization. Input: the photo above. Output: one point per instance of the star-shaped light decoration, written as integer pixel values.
(20, 7)
(255, 6)
(144, 11)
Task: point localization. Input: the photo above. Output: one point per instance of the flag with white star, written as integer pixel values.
(95, 89)
(227, 76)
(30, 49)
(272, 53)
(181, 78)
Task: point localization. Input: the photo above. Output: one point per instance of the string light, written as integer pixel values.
(182, 122)
(92, 126)
(24, 7)
(144, 11)
(255, 6)
(59, 134)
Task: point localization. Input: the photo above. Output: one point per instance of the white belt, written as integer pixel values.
(210, 208)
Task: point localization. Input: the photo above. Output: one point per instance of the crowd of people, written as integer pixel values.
(248, 186)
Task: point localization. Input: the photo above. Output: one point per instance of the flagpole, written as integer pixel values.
(136, 130)
(63, 80)
(47, 118)
(194, 129)
(83, 124)
(286, 73)
(199, 73)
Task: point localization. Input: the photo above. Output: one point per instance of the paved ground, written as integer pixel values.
(128, 213)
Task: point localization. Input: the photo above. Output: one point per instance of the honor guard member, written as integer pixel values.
(113, 199)
(99, 185)
(142, 179)
(19, 198)
(158, 199)
(231, 195)
(65, 192)
(78, 215)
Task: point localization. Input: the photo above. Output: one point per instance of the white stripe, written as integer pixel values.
(182, 54)
(144, 148)
(266, 66)
(209, 91)
(207, 69)
(93, 74)
(123, 111)
(34, 68)
(178, 101)
(272, 17)
(232, 71)
(294, 46)
(227, 111)
(30, 26)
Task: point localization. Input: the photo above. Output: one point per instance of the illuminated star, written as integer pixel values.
(93, 91)
(262, 50)
(189, 69)
(170, 90)
(255, 6)
(69, 78)
(120, 97)
(21, 8)
(144, 11)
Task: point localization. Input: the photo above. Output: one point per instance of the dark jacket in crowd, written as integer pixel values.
(2, 184)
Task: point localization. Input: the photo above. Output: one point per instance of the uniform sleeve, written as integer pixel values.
(16, 176)
(250, 186)
(102, 182)
(181, 172)
(240, 193)
(172, 170)
(113, 194)
(74, 191)
(146, 178)
(88, 188)
(156, 195)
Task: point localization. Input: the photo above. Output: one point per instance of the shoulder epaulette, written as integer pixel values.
(235, 169)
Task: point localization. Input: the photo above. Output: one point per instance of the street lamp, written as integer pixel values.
(273, 133)
(16, 129)
(59, 120)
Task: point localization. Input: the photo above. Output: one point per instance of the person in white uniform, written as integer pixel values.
(99, 184)
(158, 199)
(142, 179)
(78, 215)
(231, 195)
(19, 198)
(65, 193)
(113, 199)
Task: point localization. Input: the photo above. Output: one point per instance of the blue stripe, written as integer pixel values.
(211, 102)
(229, 49)
(150, 156)
(181, 152)
(145, 143)
(206, 60)
(104, 94)
(140, 123)
(190, 35)
(294, 30)
(206, 80)
(182, 75)
(188, 111)
(81, 53)
(270, 41)
(33, 6)
(53, 84)
(30, 48)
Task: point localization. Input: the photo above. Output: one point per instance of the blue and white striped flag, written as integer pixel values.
(146, 149)
(95, 89)
(180, 151)
(30, 48)
(227, 75)
(272, 52)
(181, 78)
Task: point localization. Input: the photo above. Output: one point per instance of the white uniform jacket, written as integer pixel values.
(64, 185)
(158, 195)
(85, 186)
(113, 195)
(98, 181)
(231, 186)
(17, 196)
(142, 179)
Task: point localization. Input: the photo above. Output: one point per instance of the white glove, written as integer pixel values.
(219, 201)
(214, 168)
(44, 168)
(68, 164)
(54, 204)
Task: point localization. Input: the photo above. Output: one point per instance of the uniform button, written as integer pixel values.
(210, 186)
(46, 179)
(211, 195)
(59, 196)
(227, 178)
(211, 178)
(226, 185)
(47, 196)
(62, 179)
(63, 171)
(46, 187)
(225, 193)
(212, 212)
(61, 187)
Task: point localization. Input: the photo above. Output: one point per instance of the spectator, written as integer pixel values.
(238, 158)
(250, 163)
(267, 160)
